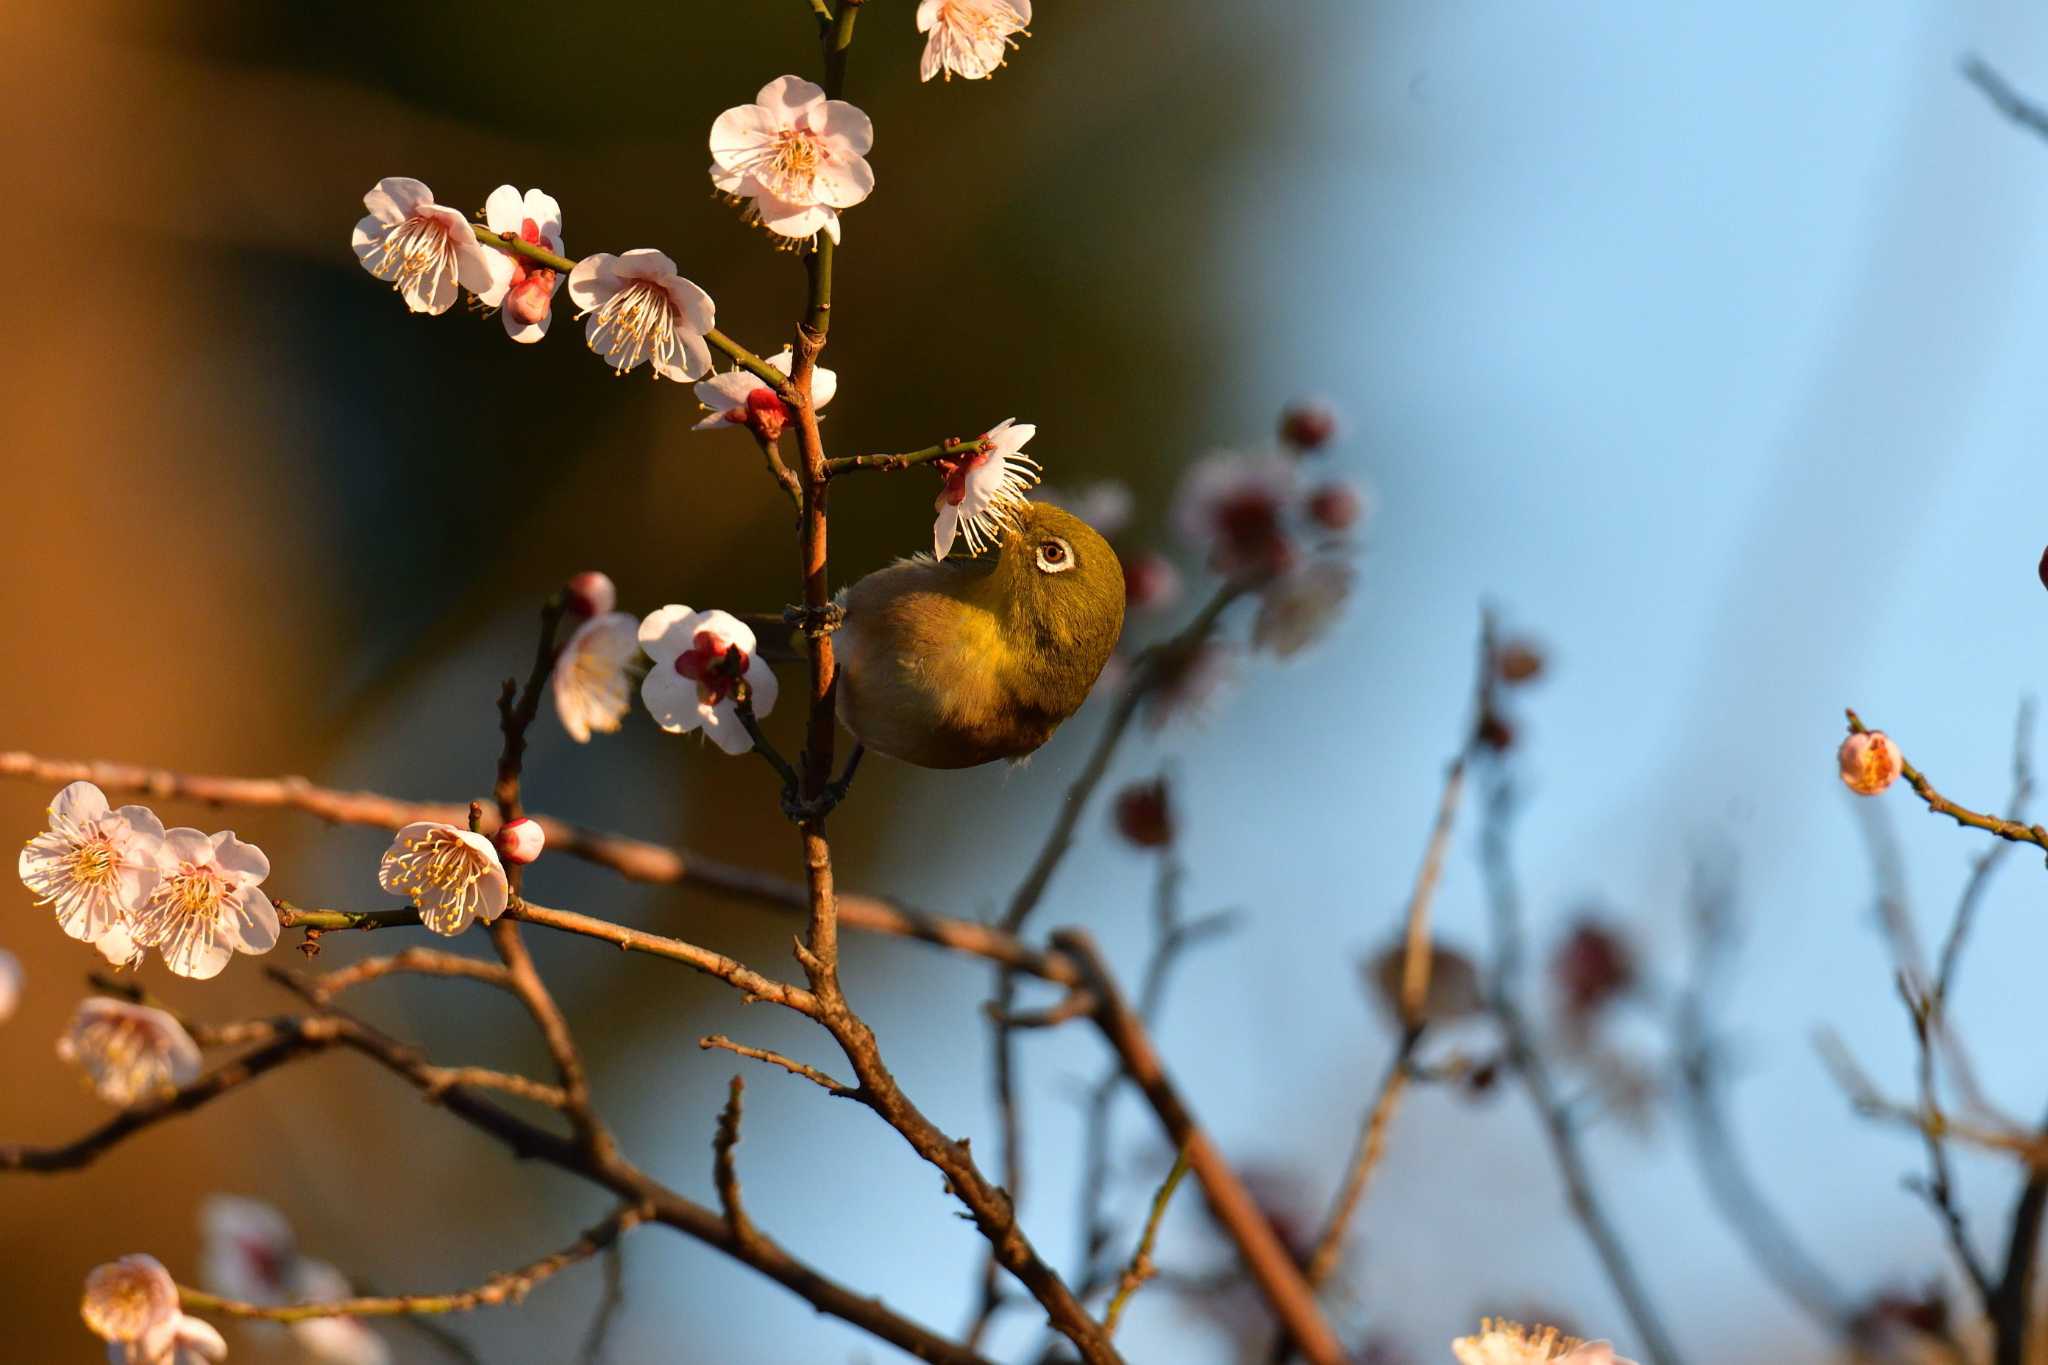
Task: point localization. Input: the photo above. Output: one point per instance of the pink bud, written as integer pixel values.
(1150, 581)
(521, 841)
(1591, 967)
(590, 593)
(1335, 506)
(1144, 814)
(1308, 425)
(767, 414)
(1870, 762)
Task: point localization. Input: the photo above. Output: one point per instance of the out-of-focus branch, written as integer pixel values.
(1869, 1101)
(511, 1286)
(2007, 100)
(1520, 1051)
(1272, 1268)
(634, 859)
(1141, 1267)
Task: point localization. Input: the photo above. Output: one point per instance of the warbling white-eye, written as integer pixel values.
(956, 662)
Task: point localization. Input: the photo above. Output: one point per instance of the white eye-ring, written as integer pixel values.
(1055, 555)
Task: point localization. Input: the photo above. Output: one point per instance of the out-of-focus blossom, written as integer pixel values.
(10, 985)
(424, 249)
(1189, 681)
(739, 398)
(637, 310)
(984, 489)
(694, 678)
(1144, 813)
(1105, 504)
(528, 297)
(1890, 1321)
(522, 840)
(208, 904)
(1508, 1343)
(590, 593)
(1233, 508)
(183, 1340)
(592, 679)
(129, 1052)
(337, 1340)
(94, 866)
(453, 875)
(1496, 732)
(1308, 425)
(1336, 505)
(1592, 967)
(246, 1250)
(1453, 983)
(1870, 762)
(1151, 583)
(125, 1301)
(794, 158)
(969, 38)
(1518, 661)
(1298, 608)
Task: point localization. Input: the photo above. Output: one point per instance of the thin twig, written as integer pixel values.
(2007, 100)
(610, 1302)
(414, 961)
(2012, 830)
(789, 1064)
(1141, 1268)
(944, 450)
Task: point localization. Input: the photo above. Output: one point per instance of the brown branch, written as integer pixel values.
(483, 1078)
(414, 961)
(725, 1171)
(1279, 1279)
(789, 1064)
(1141, 1267)
(508, 1287)
(2012, 830)
(633, 859)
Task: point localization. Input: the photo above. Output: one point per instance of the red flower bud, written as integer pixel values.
(1335, 506)
(1144, 814)
(1308, 425)
(1592, 967)
(1518, 661)
(521, 841)
(590, 593)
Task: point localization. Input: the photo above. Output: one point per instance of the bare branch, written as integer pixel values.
(1141, 1268)
(789, 1064)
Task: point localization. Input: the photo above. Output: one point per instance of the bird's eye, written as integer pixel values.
(1055, 555)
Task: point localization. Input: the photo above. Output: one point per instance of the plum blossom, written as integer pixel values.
(522, 840)
(10, 985)
(638, 310)
(694, 678)
(1232, 508)
(794, 158)
(984, 488)
(183, 1340)
(1105, 504)
(452, 875)
(1335, 506)
(207, 905)
(1870, 762)
(968, 38)
(536, 219)
(1151, 583)
(1144, 814)
(248, 1252)
(1188, 682)
(128, 1300)
(94, 866)
(336, 1340)
(129, 1052)
(739, 399)
(1298, 608)
(592, 677)
(1308, 425)
(424, 249)
(1508, 1343)
(118, 947)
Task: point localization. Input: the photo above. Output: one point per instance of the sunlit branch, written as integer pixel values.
(944, 450)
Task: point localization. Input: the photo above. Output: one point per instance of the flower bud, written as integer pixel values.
(1591, 967)
(1870, 762)
(1150, 581)
(1336, 506)
(1496, 733)
(767, 414)
(1308, 425)
(1144, 814)
(2044, 568)
(1518, 661)
(590, 593)
(522, 840)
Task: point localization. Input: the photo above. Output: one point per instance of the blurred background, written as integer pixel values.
(1704, 341)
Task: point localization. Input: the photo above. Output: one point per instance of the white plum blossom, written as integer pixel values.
(592, 678)
(94, 866)
(207, 905)
(984, 488)
(734, 397)
(1299, 607)
(969, 38)
(118, 947)
(183, 1340)
(337, 1340)
(1105, 504)
(1508, 1343)
(693, 681)
(1233, 507)
(536, 219)
(638, 310)
(794, 158)
(246, 1250)
(424, 249)
(452, 875)
(129, 1300)
(129, 1052)
(10, 985)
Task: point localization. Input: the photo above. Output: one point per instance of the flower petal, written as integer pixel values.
(594, 280)
(791, 95)
(667, 633)
(395, 198)
(504, 210)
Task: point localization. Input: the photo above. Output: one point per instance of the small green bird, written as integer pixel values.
(957, 662)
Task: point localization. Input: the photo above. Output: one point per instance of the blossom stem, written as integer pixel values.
(747, 360)
(944, 450)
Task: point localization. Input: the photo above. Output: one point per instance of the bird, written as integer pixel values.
(953, 663)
